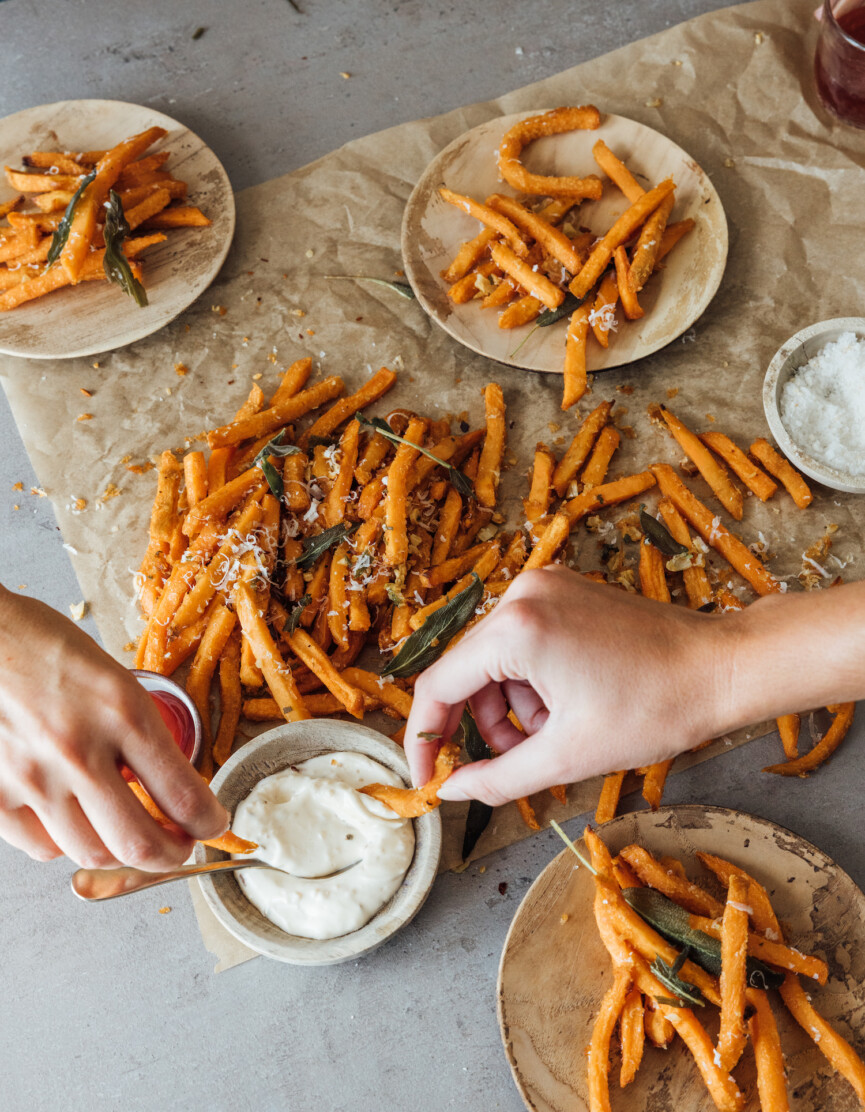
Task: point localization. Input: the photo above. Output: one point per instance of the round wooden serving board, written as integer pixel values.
(433, 230)
(553, 973)
(97, 316)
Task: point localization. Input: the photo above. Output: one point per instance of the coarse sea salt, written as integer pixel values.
(822, 405)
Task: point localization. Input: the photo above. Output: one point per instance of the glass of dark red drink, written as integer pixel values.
(177, 710)
(839, 63)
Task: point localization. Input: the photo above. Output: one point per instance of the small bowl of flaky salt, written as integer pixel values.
(814, 399)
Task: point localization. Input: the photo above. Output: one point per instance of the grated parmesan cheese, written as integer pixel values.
(822, 405)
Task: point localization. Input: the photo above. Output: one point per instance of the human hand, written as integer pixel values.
(599, 679)
(70, 715)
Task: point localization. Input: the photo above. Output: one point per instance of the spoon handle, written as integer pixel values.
(107, 884)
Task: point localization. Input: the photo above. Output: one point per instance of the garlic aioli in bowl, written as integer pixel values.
(311, 820)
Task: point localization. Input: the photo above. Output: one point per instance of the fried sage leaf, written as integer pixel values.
(457, 479)
(425, 645)
(683, 991)
(673, 922)
(293, 620)
(552, 316)
(316, 546)
(660, 536)
(479, 813)
(402, 288)
(274, 447)
(58, 240)
(115, 263)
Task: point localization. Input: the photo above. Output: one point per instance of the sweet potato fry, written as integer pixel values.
(825, 747)
(714, 472)
(387, 693)
(617, 171)
(179, 216)
(411, 803)
(575, 380)
(195, 477)
(276, 673)
(163, 518)
(228, 842)
(554, 242)
(595, 470)
(217, 506)
(488, 216)
(783, 470)
(492, 453)
(230, 699)
(537, 284)
(714, 533)
(835, 1049)
(580, 447)
(555, 535)
(627, 293)
(608, 800)
(396, 537)
(219, 627)
(469, 255)
(619, 233)
(771, 1083)
(269, 420)
(548, 123)
(520, 312)
(540, 492)
(602, 1033)
(696, 580)
(750, 474)
(645, 253)
(318, 662)
(607, 494)
(770, 951)
(734, 955)
(527, 813)
(684, 892)
(632, 1032)
(788, 728)
(374, 388)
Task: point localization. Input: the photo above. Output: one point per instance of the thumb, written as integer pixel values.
(528, 767)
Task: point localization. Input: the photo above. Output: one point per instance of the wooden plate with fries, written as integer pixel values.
(673, 299)
(554, 969)
(97, 316)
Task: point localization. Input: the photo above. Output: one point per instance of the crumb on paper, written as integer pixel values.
(310, 331)
(84, 417)
(553, 426)
(677, 61)
(181, 369)
(310, 254)
(111, 491)
(86, 393)
(563, 918)
(482, 869)
(96, 365)
(129, 647)
(164, 910)
(758, 37)
(672, 392)
(345, 76)
(298, 312)
(39, 492)
(140, 468)
(255, 378)
(79, 504)
(654, 102)
(17, 486)
(729, 163)
(221, 309)
(77, 611)
(626, 389)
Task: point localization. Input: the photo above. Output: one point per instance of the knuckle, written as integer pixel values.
(96, 858)
(147, 853)
(187, 803)
(526, 618)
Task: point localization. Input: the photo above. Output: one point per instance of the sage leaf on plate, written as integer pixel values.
(660, 536)
(58, 240)
(316, 546)
(402, 288)
(552, 316)
(274, 447)
(479, 814)
(425, 645)
(457, 479)
(114, 262)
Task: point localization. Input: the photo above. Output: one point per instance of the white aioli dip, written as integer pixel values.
(311, 820)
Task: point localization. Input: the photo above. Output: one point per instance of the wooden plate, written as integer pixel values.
(98, 316)
(433, 230)
(553, 974)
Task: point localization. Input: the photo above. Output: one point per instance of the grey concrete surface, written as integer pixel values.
(116, 1008)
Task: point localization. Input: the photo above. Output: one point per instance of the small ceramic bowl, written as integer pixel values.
(792, 355)
(272, 752)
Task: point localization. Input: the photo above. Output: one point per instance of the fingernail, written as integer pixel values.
(452, 793)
